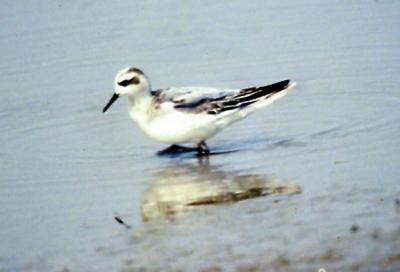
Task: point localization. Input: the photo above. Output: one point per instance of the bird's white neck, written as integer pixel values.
(139, 102)
(140, 109)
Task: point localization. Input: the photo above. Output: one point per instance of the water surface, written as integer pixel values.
(67, 169)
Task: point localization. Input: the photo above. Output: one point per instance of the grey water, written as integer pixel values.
(332, 145)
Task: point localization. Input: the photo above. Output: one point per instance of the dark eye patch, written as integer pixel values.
(134, 80)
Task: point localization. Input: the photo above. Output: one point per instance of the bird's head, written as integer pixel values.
(130, 82)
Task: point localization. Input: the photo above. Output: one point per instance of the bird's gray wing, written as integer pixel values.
(213, 101)
(190, 99)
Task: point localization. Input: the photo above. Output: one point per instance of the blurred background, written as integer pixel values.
(331, 146)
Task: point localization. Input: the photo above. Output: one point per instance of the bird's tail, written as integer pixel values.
(254, 98)
(267, 93)
(251, 99)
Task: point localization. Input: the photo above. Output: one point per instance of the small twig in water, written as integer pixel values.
(120, 221)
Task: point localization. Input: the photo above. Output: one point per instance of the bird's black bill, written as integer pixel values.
(112, 100)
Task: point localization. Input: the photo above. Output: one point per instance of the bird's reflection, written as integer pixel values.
(178, 188)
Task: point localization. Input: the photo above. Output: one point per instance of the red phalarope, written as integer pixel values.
(189, 114)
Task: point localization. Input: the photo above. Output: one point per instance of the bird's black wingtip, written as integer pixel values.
(285, 82)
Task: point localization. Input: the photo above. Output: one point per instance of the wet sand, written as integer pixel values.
(313, 182)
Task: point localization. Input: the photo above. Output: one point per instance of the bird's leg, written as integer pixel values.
(174, 149)
(202, 148)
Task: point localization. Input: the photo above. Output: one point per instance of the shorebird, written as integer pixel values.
(188, 114)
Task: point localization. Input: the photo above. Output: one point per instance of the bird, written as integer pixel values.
(181, 115)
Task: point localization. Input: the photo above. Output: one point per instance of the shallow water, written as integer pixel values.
(67, 169)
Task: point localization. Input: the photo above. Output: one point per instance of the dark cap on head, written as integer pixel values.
(136, 70)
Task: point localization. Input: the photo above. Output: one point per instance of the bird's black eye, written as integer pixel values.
(123, 83)
(126, 82)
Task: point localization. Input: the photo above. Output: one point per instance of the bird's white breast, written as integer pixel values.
(175, 127)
